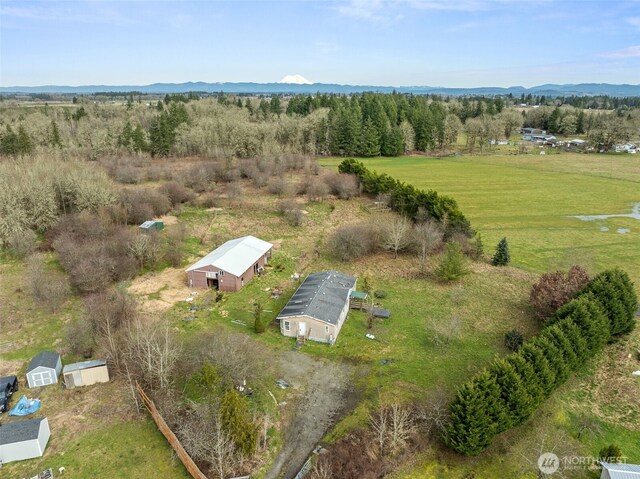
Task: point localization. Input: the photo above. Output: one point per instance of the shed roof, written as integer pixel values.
(235, 256)
(620, 470)
(321, 296)
(148, 224)
(19, 431)
(48, 359)
(84, 365)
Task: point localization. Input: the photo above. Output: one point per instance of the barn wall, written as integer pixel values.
(226, 282)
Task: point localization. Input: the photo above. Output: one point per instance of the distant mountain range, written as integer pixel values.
(580, 89)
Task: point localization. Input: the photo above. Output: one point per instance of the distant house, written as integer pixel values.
(540, 138)
(44, 369)
(577, 143)
(152, 225)
(230, 266)
(619, 471)
(532, 131)
(85, 373)
(319, 307)
(23, 439)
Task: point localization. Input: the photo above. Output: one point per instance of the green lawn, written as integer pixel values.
(528, 199)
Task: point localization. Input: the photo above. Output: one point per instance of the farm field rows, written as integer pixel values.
(530, 199)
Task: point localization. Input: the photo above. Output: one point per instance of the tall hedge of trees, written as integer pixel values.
(409, 201)
(509, 390)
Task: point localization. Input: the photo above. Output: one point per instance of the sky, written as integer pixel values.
(450, 43)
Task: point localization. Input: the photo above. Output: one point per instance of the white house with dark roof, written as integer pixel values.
(230, 266)
(44, 369)
(24, 439)
(619, 471)
(318, 308)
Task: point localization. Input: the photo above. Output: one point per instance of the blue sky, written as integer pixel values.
(454, 43)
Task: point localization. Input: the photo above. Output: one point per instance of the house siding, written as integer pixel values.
(226, 282)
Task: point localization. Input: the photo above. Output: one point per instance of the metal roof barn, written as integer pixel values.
(23, 439)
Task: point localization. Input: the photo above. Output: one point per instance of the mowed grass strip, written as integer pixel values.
(529, 199)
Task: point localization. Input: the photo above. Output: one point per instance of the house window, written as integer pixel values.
(287, 326)
(221, 273)
(326, 329)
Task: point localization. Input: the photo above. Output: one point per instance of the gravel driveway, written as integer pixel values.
(323, 392)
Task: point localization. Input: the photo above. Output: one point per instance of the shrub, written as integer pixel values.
(611, 453)
(502, 256)
(343, 186)
(513, 340)
(176, 193)
(556, 289)
(317, 191)
(48, 288)
(452, 266)
(79, 338)
(279, 186)
(21, 244)
(351, 242)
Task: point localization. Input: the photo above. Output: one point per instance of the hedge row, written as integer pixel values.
(509, 390)
(408, 200)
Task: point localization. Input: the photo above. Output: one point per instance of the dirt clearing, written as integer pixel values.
(157, 292)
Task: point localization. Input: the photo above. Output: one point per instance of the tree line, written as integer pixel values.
(509, 390)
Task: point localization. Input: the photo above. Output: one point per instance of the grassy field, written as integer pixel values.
(529, 199)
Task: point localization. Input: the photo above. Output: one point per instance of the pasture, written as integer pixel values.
(530, 199)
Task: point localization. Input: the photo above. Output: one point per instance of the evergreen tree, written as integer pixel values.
(248, 106)
(540, 364)
(9, 144)
(236, 421)
(393, 142)
(125, 137)
(25, 144)
(555, 358)
(502, 256)
(478, 247)
(370, 140)
(527, 375)
(138, 141)
(580, 123)
(54, 135)
(274, 105)
(239, 102)
(513, 393)
(470, 429)
(576, 339)
(263, 108)
(160, 135)
(452, 266)
(560, 340)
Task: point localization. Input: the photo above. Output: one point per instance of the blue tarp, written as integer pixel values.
(25, 407)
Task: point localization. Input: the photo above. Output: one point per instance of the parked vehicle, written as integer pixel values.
(8, 385)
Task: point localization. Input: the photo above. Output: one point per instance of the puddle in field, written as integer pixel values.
(635, 214)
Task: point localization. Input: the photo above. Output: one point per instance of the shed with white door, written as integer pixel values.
(44, 369)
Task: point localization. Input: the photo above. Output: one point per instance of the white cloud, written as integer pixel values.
(634, 21)
(629, 52)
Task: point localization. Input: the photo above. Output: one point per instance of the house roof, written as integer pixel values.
(47, 359)
(321, 296)
(84, 365)
(235, 256)
(620, 470)
(19, 431)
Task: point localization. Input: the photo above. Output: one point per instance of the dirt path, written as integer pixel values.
(324, 392)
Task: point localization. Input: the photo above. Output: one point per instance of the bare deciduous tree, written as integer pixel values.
(145, 249)
(395, 234)
(152, 350)
(443, 331)
(426, 238)
(393, 427)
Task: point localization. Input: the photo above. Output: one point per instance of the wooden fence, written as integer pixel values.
(191, 466)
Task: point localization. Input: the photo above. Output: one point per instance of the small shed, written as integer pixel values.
(44, 369)
(23, 439)
(85, 373)
(152, 225)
